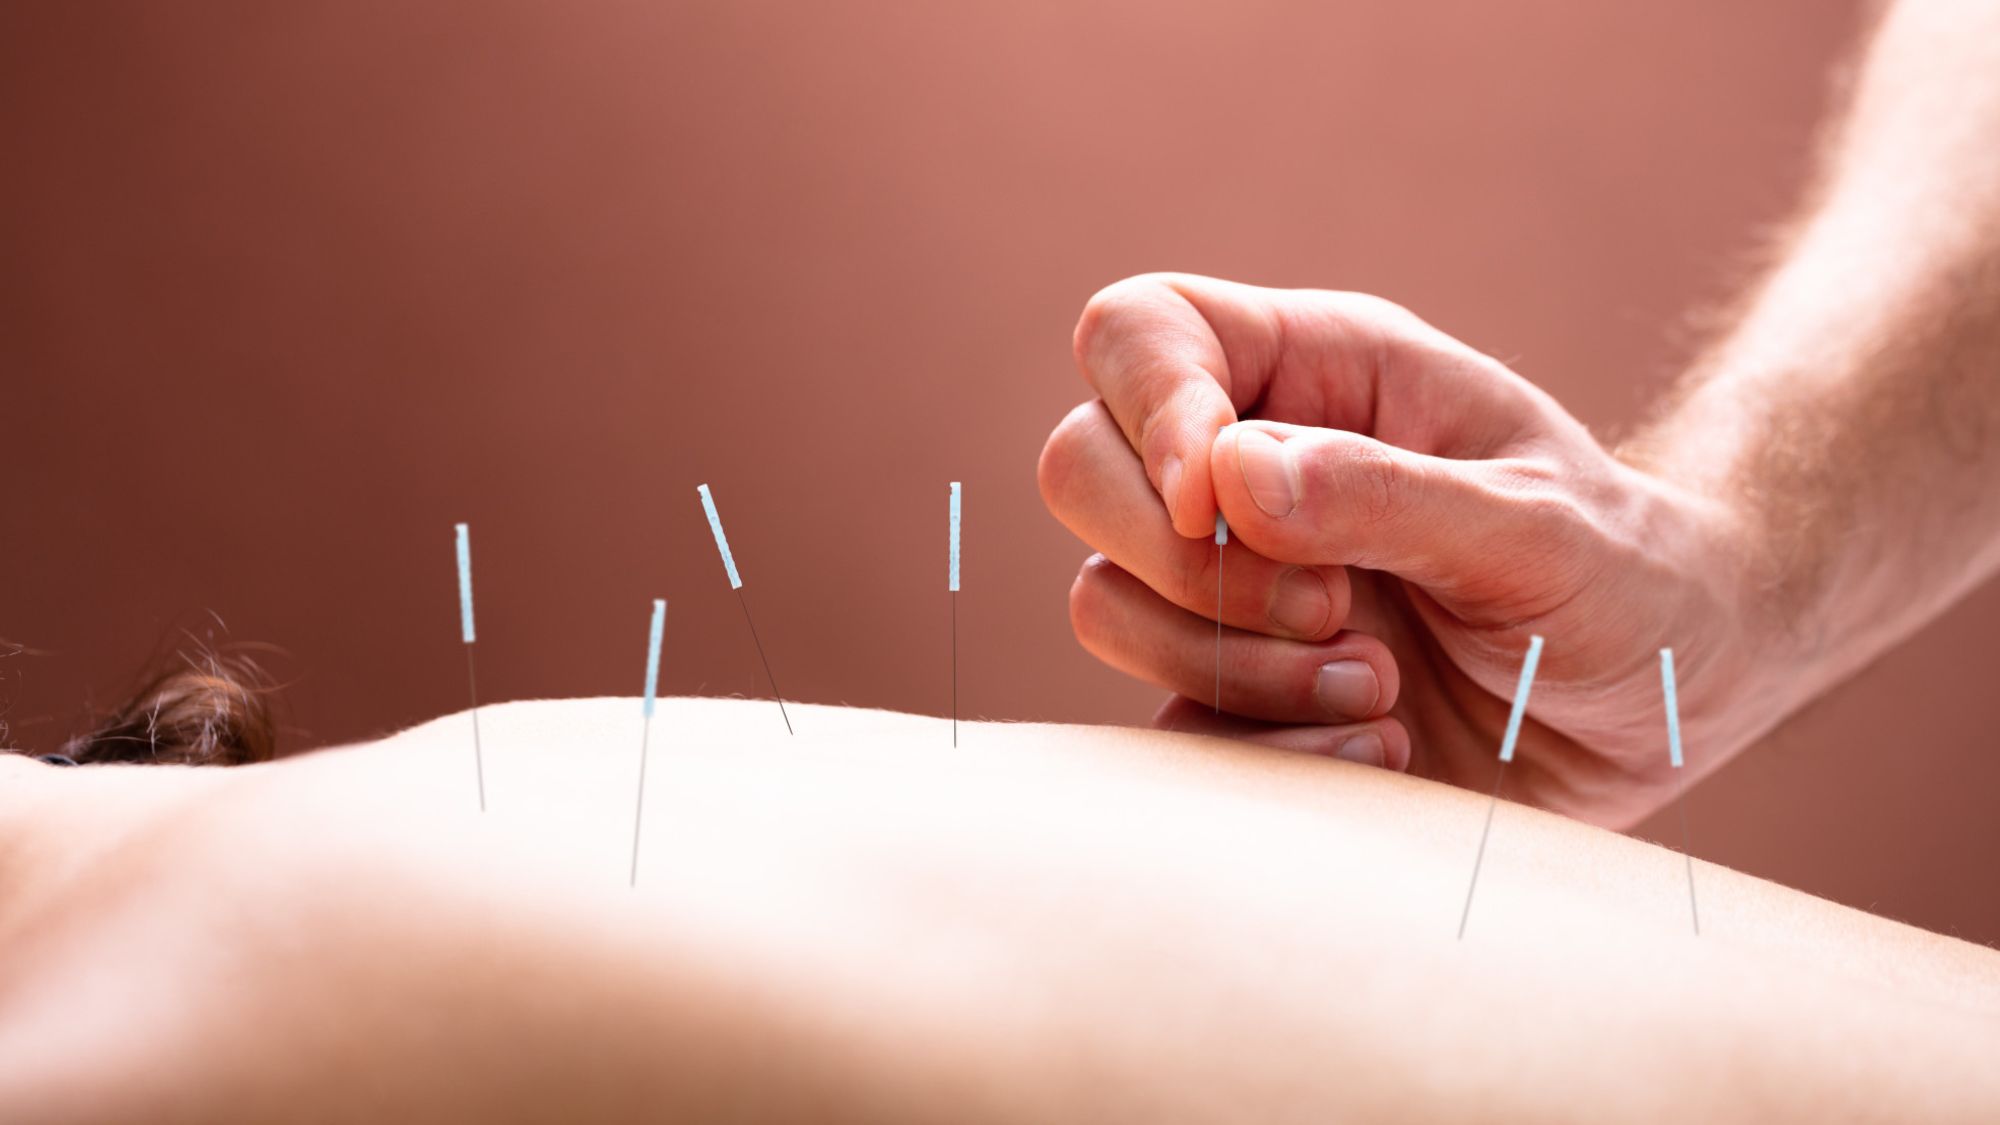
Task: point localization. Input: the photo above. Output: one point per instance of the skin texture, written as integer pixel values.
(1816, 490)
(860, 924)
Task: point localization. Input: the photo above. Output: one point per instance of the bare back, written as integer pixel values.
(861, 923)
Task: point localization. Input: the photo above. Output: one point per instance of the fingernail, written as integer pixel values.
(1267, 472)
(1299, 602)
(1348, 690)
(1365, 748)
(1170, 484)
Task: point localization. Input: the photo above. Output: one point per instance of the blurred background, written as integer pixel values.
(286, 290)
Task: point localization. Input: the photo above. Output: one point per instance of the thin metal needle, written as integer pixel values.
(745, 603)
(1680, 799)
(951, 583)
(736, 584)
(1675, 760)
(1507, 741)
(639, 812)
(1221, 540)
(478, 755)
(470, 634)
(1481, 857)
(655, 633)
(954, 669)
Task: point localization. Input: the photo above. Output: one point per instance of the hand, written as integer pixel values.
(1404, 513)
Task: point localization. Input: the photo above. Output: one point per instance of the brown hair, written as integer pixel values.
(208, 707)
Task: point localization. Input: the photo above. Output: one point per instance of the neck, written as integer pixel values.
(26, 832)
(55, 820)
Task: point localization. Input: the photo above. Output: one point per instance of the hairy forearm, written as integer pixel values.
(1851, 419)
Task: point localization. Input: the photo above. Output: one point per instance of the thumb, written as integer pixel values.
(1302, 494)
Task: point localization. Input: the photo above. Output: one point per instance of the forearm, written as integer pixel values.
(1849, 419)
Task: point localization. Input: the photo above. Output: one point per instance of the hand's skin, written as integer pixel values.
(1819, 489)
(1450, 510)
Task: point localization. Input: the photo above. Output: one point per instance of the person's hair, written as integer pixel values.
(208, 707)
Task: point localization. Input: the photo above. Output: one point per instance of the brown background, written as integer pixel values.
(287, 289)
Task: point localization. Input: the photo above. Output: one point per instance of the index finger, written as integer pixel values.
(1171, 355)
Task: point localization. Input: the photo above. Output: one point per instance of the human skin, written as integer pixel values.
(1817, 489)
(862, 924)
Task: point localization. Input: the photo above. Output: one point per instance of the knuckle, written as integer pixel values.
(1540, 498)
(1099, 315)
(1378, 484)
(1367, 307)
(1547, 518)
(1364, 321)
(1090, 327)
(1103, 312)
(1549, 511)
(1553, 533)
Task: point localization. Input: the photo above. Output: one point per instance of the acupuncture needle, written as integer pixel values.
(1680, 788)
(952, 586)
(1506, 755)
(654, 633)
(1221, 540)
(736, 584)
(471, 676)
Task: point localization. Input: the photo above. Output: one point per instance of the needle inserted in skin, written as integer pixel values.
(653, 636)
(1221, 540)
(471, 675)
(1680, 789)
(953, 587)
(736, 584)
(1506, 755)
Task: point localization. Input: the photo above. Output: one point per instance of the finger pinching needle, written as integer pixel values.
(1680, 789)
(1221, 540)
(1506, 755)
(953, 585)
(736, 584)
(655, 633)
(471, 678)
